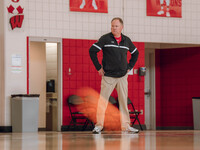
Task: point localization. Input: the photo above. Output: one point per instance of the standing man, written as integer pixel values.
(114, 71)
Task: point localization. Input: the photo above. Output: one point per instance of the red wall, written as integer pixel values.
(177, 81)
(83, 73)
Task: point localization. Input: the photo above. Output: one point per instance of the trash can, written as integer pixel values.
(24, 112)
(196, 112)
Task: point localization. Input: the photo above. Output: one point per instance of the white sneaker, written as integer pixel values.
(167, 14)
(97, 130)
(130, 130)
(161, 12)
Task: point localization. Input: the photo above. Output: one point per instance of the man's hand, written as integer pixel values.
(101, 72)
(128, 70)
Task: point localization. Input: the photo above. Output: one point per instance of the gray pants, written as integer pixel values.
(107, 86)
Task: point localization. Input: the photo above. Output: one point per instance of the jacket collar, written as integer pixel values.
(123, 37)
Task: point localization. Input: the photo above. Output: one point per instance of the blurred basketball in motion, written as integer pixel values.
(90, 99)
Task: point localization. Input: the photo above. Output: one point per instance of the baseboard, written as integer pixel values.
(42, 129)
(174, 128)
(89, 128)
(5, 128)
(9, 129)
(138, 127)
(77, 128)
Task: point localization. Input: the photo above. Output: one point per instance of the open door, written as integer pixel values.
(36, 75)
(150, 105)
(37, 78)
(44, 64)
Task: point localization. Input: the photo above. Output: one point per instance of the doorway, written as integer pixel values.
(150, 102)
(51, 86)
(45, 79)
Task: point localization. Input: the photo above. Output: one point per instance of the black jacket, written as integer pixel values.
(114, 60)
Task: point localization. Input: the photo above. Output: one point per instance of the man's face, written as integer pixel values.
(116, 28)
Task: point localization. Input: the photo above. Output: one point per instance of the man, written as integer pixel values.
(161, 12)
(114, 72)
(93, 4)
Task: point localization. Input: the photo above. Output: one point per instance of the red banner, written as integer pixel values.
(99, 6)
(164, 8)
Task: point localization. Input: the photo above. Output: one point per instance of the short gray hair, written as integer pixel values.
(118, 18)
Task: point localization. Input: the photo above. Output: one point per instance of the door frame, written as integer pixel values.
(150, 101)
(59, 61)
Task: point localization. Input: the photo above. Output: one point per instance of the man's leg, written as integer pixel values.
(83, 4)
(94, 4)
(122, 91)
(161, 8)
(168, 3)
(107, 86)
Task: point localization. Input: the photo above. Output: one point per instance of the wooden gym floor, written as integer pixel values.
(145, 140)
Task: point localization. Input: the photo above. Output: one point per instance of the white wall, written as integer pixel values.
(53, 19)
(2, 106)
(14, 44)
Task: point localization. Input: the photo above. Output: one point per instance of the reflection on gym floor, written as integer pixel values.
(146, 140)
